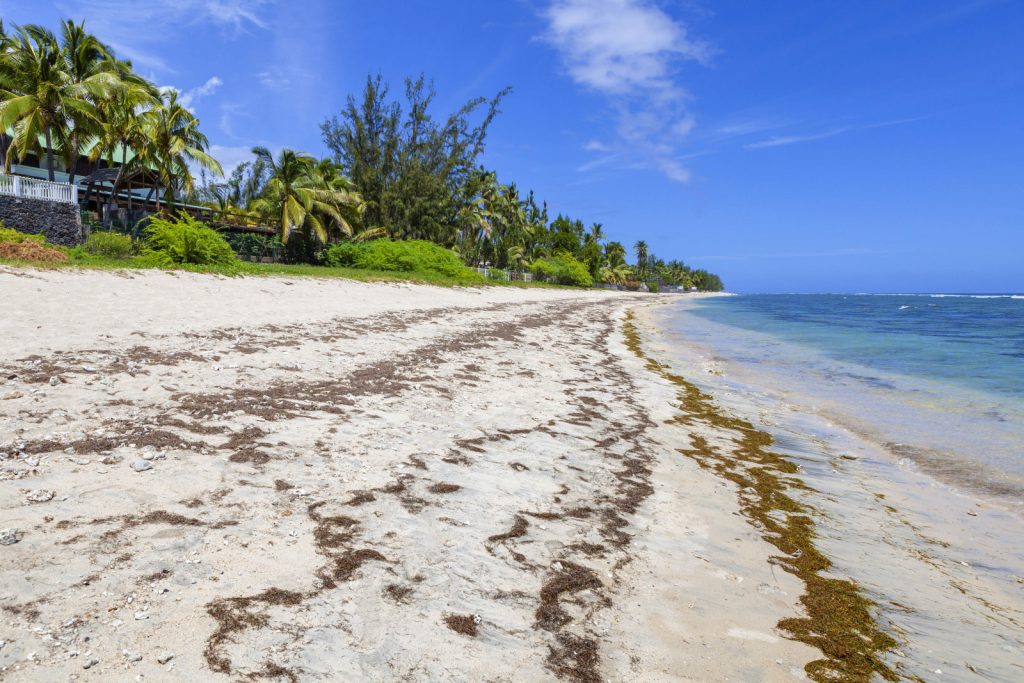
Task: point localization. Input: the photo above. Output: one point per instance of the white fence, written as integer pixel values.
(30, 188)
(505, 275)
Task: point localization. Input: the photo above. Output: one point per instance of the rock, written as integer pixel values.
(90, 663)
(165, 657)
(140, 465)
(133, 656)
(140, 615)
(54, 381)
(40, 496)
(8, 537)
(111, 460)
(11, 395)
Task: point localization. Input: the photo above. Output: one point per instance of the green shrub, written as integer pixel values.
(109, 245)
(562, 269)
(652, 287)
(11, 236)
(401, 256)
(186, 241)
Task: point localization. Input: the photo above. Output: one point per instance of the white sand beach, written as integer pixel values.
(209, 478)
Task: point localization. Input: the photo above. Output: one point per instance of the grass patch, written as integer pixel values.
(274, 270)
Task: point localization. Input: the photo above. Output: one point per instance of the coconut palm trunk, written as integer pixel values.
(49, 155)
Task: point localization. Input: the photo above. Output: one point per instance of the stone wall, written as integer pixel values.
(60, 223)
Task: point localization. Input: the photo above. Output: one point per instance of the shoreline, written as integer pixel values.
(398, 481)
(838, 618)
(928, 556)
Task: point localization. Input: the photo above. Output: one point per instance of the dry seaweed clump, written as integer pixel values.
(398, 592)
(840, 620)
(234, 615)
(519, 527)
(570, 578)
(575, 658)
(31, 250)
(462, 623)
(444, 487)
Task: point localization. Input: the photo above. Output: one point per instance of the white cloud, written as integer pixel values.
(596, 146)
(628, 51)
(189, 98)
(620, 46)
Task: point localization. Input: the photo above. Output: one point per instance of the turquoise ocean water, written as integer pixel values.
(935, 378)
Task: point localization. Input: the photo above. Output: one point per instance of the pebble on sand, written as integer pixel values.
(40, 496)
(140, 465)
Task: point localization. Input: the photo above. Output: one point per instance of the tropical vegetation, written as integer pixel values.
(402, 189)
(69, 96)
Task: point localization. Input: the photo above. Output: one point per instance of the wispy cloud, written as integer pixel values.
(782, 140)
(281, 79)
(229, 111)
(628, 51)
(137, 30)
(741, 128)
(237, 13)
(946, 15)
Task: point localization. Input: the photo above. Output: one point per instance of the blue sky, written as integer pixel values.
(788, 146)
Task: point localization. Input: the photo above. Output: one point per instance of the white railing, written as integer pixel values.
(30, 188)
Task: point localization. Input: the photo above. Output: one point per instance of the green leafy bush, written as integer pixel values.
(652, 287)
(109, 245)
(186, 241)
(11, 236)
(562, 269)
(402, 256)
(253, 246)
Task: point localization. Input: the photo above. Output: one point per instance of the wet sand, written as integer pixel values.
(296, 479)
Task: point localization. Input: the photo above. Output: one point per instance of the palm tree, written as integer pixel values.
(5, 44)
(39, 95)
(615, 253)
(617, 275)
(298, 196)
(173, 144)
(122, 128)
(84, 56)
(641, 258)
(328, 176)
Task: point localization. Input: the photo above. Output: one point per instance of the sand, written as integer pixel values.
(295, 479)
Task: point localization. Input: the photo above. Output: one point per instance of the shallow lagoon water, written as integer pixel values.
(917, 474)
(939, 379)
